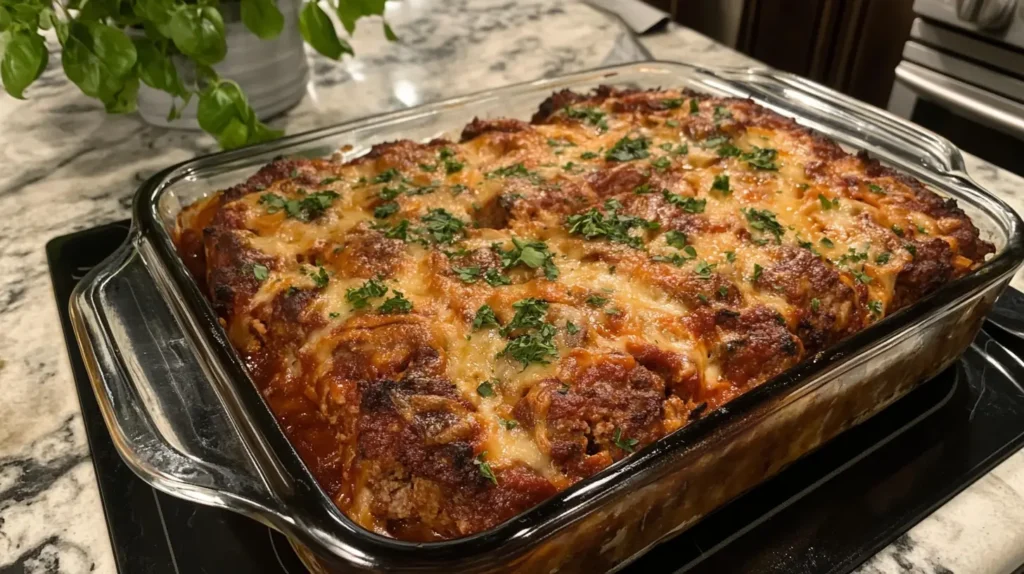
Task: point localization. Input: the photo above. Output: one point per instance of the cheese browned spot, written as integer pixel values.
(452, 332)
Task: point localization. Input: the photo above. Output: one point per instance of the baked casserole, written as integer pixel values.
(450, 333)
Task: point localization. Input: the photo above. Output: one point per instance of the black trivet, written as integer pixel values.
(826, 513)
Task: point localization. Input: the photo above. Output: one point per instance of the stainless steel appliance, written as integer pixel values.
(962, 75)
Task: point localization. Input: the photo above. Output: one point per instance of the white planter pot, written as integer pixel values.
(272, 73)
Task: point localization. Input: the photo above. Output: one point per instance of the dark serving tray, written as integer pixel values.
(827, 512)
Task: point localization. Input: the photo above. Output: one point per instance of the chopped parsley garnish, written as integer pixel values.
(588, 155)
(723, 291)
(730, 256)
(260, 272)
(485, 469)
(533, 254)
(861, 276)
(334, 315)
(721, 184)
(761, 158)
(485, 389)
(563, 389)
(485, 318)
(676, 239)
(508, 424)
(703, 269)
(876, 189)
(388, 193)
(661, 164)
(757, 272)
(883, 258)
(592, 116)
(494, 278)
(451, 165)
(360, 298)
(612, 311)
(643, 189)
(442, 227)
(428, 167)
(273, 202)
(534, 347)
(671, 103)
(721, 114)
(515, 170)
(689, 204)
(530, 314)
(396, 305)
(613, 226)
(628, 149)
(672, 123)
(875, 306)
(765, 222)
(458, 189)
(320, 278)
(815, 304)
(387, 175)
(694, 109)
(552, 142)
(399, 230)
(597, 301)
(626, 444)
(467, 274)
(385, 210)
(897, 230)
(306, 209)
(826, 203)
(728, 150)
(921, 229)
(912, 249)
(827, 243)
(329, 180)
(571, 328)
(703, 298)
(572, 168)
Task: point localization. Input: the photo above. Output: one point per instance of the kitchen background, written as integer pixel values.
(954, 66)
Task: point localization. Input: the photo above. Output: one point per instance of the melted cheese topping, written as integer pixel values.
(680, 250)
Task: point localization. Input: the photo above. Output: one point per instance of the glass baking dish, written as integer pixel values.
(185, 417)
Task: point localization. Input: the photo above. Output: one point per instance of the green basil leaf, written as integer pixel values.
(258, 132)
(5, 19)
(156, 69)
(24, 60)
(199, 33)
(98, 10)
(235, 134)
(25, 12)
(318, 30)
(262, 18)
(389, 33)
(351, 10)
(155, 13)
(98, 58)
(46, 17)
(219, 105)
(124, 100)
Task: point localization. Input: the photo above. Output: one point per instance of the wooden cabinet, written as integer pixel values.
(850, 45)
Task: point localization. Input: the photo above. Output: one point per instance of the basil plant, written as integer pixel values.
(107, 63)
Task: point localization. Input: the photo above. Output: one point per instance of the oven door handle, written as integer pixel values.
(996, 111)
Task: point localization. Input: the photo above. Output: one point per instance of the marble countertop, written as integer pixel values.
(68, 166)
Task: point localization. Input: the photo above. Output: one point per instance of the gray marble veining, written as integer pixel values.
(68, 166)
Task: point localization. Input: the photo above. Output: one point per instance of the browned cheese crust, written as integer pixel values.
(450, 333)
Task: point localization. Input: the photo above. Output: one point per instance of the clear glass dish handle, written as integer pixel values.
(166, 420)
